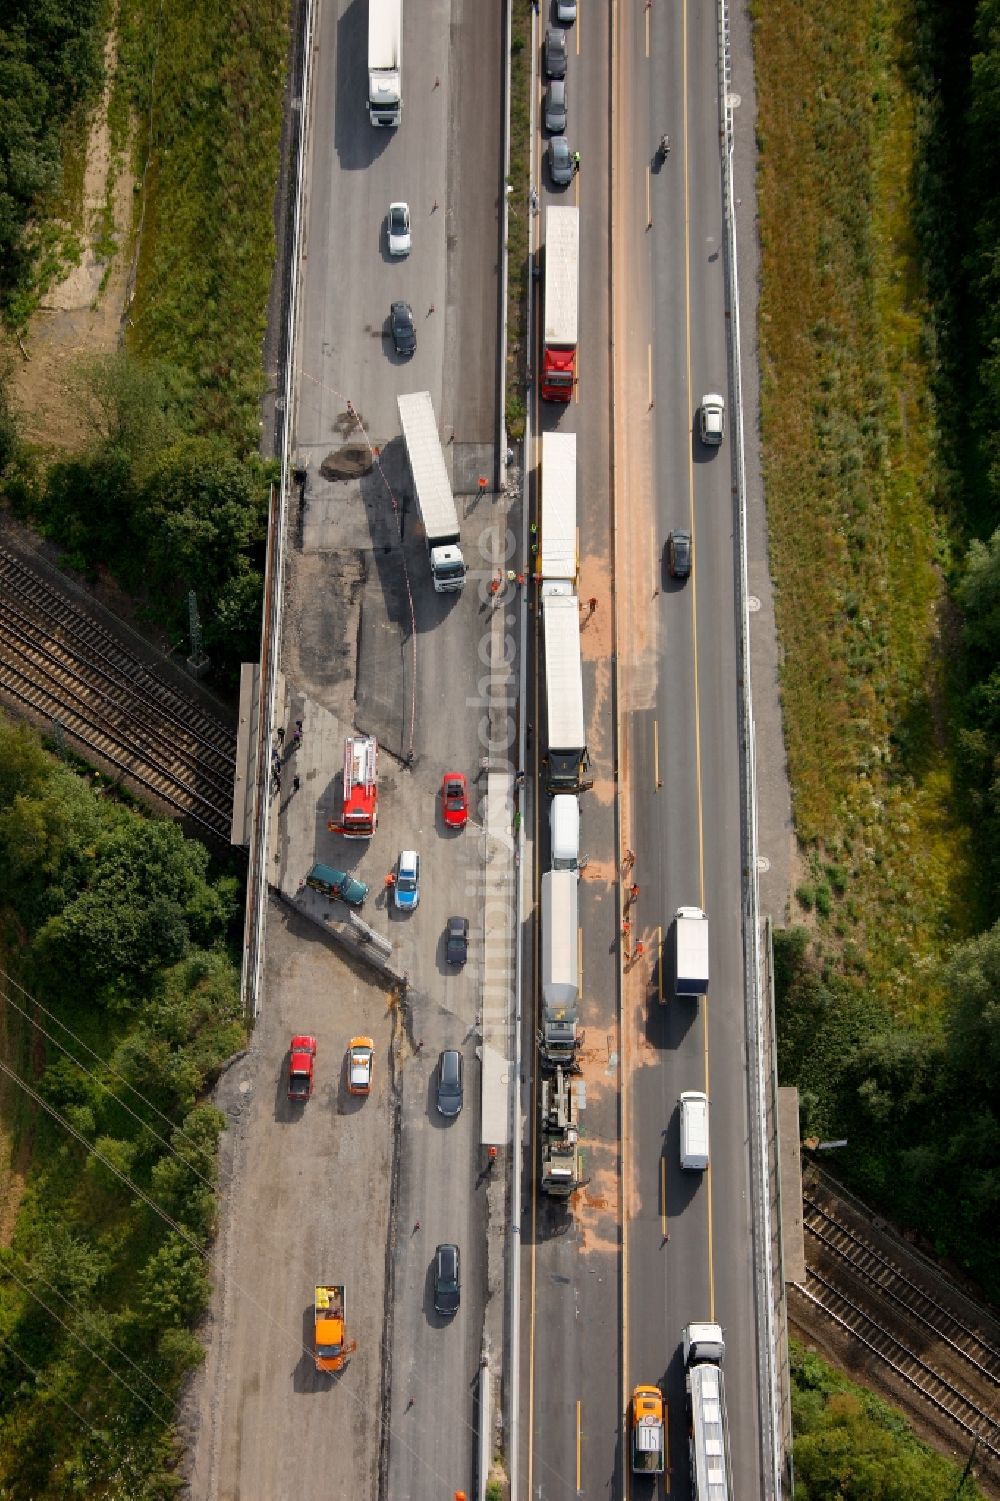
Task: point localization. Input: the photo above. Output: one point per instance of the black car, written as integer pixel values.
(404, 334)
(679, 555)
(447, 1279)
(458, 940)
(555, 53)
(450, 1088)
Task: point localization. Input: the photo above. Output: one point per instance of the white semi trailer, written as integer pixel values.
(432, 488)
(385, 61)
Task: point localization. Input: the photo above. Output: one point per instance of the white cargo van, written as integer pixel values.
(564, 826)
(694, 1130)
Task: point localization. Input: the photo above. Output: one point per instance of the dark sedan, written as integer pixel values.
(458, 940)
(679, 554)
(450, 1087)
(555, 53)
(447, 1279)
(404, 334)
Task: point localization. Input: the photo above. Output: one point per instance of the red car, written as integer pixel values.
(455, 799)
(301, 1057)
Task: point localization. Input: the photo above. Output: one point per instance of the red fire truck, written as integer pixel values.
(360, 814)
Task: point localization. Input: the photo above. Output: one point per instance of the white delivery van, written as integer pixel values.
(564, 826)
(694, 1130)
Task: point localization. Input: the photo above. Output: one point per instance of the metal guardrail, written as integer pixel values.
(512, 1361)
(771, 1445)
(254, 930)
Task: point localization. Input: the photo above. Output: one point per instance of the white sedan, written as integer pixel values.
(713, 420)
(399, 229)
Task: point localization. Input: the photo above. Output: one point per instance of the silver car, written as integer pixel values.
(399, 229)
(713, 420)
(560, 161)
(565, 11)
(556, 107)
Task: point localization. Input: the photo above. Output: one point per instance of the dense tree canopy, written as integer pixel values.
(117, 926)
(50, 58)
(849, 1446)
(920, 1110)
(166, 510)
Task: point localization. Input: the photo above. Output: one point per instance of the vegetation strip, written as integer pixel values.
(883, 1011)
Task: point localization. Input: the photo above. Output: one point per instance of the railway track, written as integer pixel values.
(949, 1366)
(60, 665)
(895, 1284)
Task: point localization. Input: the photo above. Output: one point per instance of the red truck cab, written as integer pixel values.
(301, 1060)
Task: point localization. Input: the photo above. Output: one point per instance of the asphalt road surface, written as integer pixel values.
(310, 1201)
(684, 1249)
(570, 1267)
(443, 161)
(689, 1244)
(298, 1207)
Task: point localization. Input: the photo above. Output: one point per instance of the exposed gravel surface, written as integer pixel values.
(306, 1199)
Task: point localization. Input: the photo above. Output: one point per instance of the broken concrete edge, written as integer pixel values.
(494, 1351)
(396, 1088)
(346, 938)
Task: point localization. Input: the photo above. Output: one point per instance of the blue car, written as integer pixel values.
(407, 888)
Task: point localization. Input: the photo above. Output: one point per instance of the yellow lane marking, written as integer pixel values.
(694, 603)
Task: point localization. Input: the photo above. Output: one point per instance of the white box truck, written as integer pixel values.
(432, 488)
(694, 1130)
(385, 61)
(690, 952)
(564, 828)
(558, 548)
(559, 1038)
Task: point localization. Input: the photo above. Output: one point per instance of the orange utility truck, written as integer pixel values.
(647, 1431)
(332, 1346)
